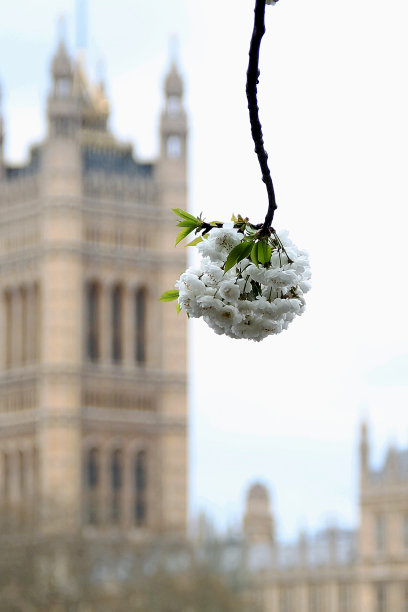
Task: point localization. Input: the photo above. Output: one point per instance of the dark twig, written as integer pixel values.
(256, 128)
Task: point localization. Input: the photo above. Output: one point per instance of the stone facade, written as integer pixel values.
(93, 401)
(337, 570)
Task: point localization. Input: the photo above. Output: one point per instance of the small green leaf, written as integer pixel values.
(184, 215)
(188, 223)
(178, 308)
(169, 296)
(264, 252)
(194, 242)
(183, 233)
(261, 253)
(237, 254)
(254, 254)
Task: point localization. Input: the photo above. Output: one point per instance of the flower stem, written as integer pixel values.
(256, 128)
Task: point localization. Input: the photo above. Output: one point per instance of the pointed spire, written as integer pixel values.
(364, 449)
(81, 34)
(173, 84)
(173, 124)
(81, 10)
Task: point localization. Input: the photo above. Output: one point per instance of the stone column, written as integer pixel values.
(271, 598)
(303, 597)
(29, 325)
(36, 323)
(333, 597)
(23, 325)
(394, 597)
(8, 319)
(16, 331)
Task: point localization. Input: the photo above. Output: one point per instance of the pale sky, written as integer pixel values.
(333, 104)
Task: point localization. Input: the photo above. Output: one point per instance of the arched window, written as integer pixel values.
(36, 471)
(117, 323)
(92, 321)
(380, 533)
(92, 469)
(63, 87)
(140, 509)
(92, 482)
(140, 325)
(381, 597)
(6, 477)
(173, 146)
(116, 483)
(174, 105)
(21, 473)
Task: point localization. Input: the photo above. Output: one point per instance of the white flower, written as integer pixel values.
(212, 273)
(229, 290)
(305, 286)
(190, 305)
(208, 249)
(255, 273)
(189, 283)
(220, 243)
(282, 279)
(248, 301)
(226, 238)
(209, 304)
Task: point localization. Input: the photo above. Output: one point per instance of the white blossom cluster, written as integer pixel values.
(248, 301)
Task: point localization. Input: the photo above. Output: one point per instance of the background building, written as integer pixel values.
(93, 406)
(93, 373)
(337, 570)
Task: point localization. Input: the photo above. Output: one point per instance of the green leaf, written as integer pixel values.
(254, 254)
(188, 223)
(195, 241)
(169, 296)
(261, 253)
(237, 254)
(184, 215)
(183, 233)
(178, 308)
(264, 252)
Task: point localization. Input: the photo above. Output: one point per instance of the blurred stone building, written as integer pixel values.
(336, 570)
(93, 404)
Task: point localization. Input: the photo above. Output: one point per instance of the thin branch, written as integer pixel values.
(256, 128)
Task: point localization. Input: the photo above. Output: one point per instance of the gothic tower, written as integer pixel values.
(258, 524)
(93, 407)
(383, 528)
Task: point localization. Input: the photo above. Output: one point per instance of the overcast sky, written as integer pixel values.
(333, 104)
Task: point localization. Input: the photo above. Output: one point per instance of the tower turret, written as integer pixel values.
(364, 452)
(63, 115)
(173, 128)
(258, 521)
